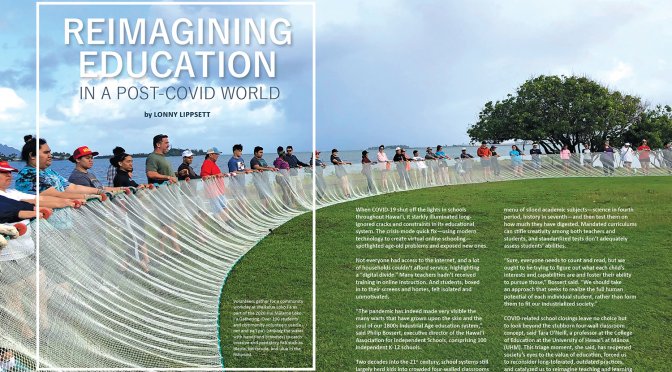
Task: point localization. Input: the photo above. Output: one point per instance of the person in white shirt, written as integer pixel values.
(627, 156)
(384, 164)
(587, 156)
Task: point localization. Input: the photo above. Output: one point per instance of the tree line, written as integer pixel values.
(570, 110)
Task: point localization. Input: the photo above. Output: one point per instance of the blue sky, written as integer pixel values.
(388, 71)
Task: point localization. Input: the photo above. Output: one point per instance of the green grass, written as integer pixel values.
(279, 267)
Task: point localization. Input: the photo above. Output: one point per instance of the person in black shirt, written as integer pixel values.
(341, 173)
(124, 164)
(535, 152)
(366, 171)
(400, 161)
(294, 165)
(185, 170)
(495, 161)
(14, 211)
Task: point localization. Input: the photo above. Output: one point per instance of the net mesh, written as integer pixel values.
(134, 281)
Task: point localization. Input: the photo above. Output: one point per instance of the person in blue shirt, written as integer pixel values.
(294, 165)
(237, 166)
(444, 177)
(516, 160)
(51, 183)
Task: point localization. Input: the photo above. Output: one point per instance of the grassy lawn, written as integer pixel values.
(279, 268)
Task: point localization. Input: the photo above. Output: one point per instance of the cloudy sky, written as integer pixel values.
(388, 71)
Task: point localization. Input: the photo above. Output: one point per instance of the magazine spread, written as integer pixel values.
(335, 186)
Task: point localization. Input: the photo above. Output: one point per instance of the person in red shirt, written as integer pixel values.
(485, 154)
(214, 184)
(644, 156)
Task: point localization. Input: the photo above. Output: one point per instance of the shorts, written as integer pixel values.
(485, 162)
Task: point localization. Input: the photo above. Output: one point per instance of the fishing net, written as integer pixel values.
(134, 281)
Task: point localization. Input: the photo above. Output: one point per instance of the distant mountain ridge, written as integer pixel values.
(8, 151)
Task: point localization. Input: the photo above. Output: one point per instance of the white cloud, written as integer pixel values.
(9, 103)
(619, 72)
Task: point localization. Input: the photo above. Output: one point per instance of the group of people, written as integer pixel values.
(55, 191)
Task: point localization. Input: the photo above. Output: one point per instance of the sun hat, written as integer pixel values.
(5, 167)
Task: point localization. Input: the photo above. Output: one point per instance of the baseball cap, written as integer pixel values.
(80, 152)
(5, 167)
(334, 150)
(364, 152)
(398, 148)
(317, 152)
(627, 143)
(464, 149)
(187, 153)
(213, 150)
